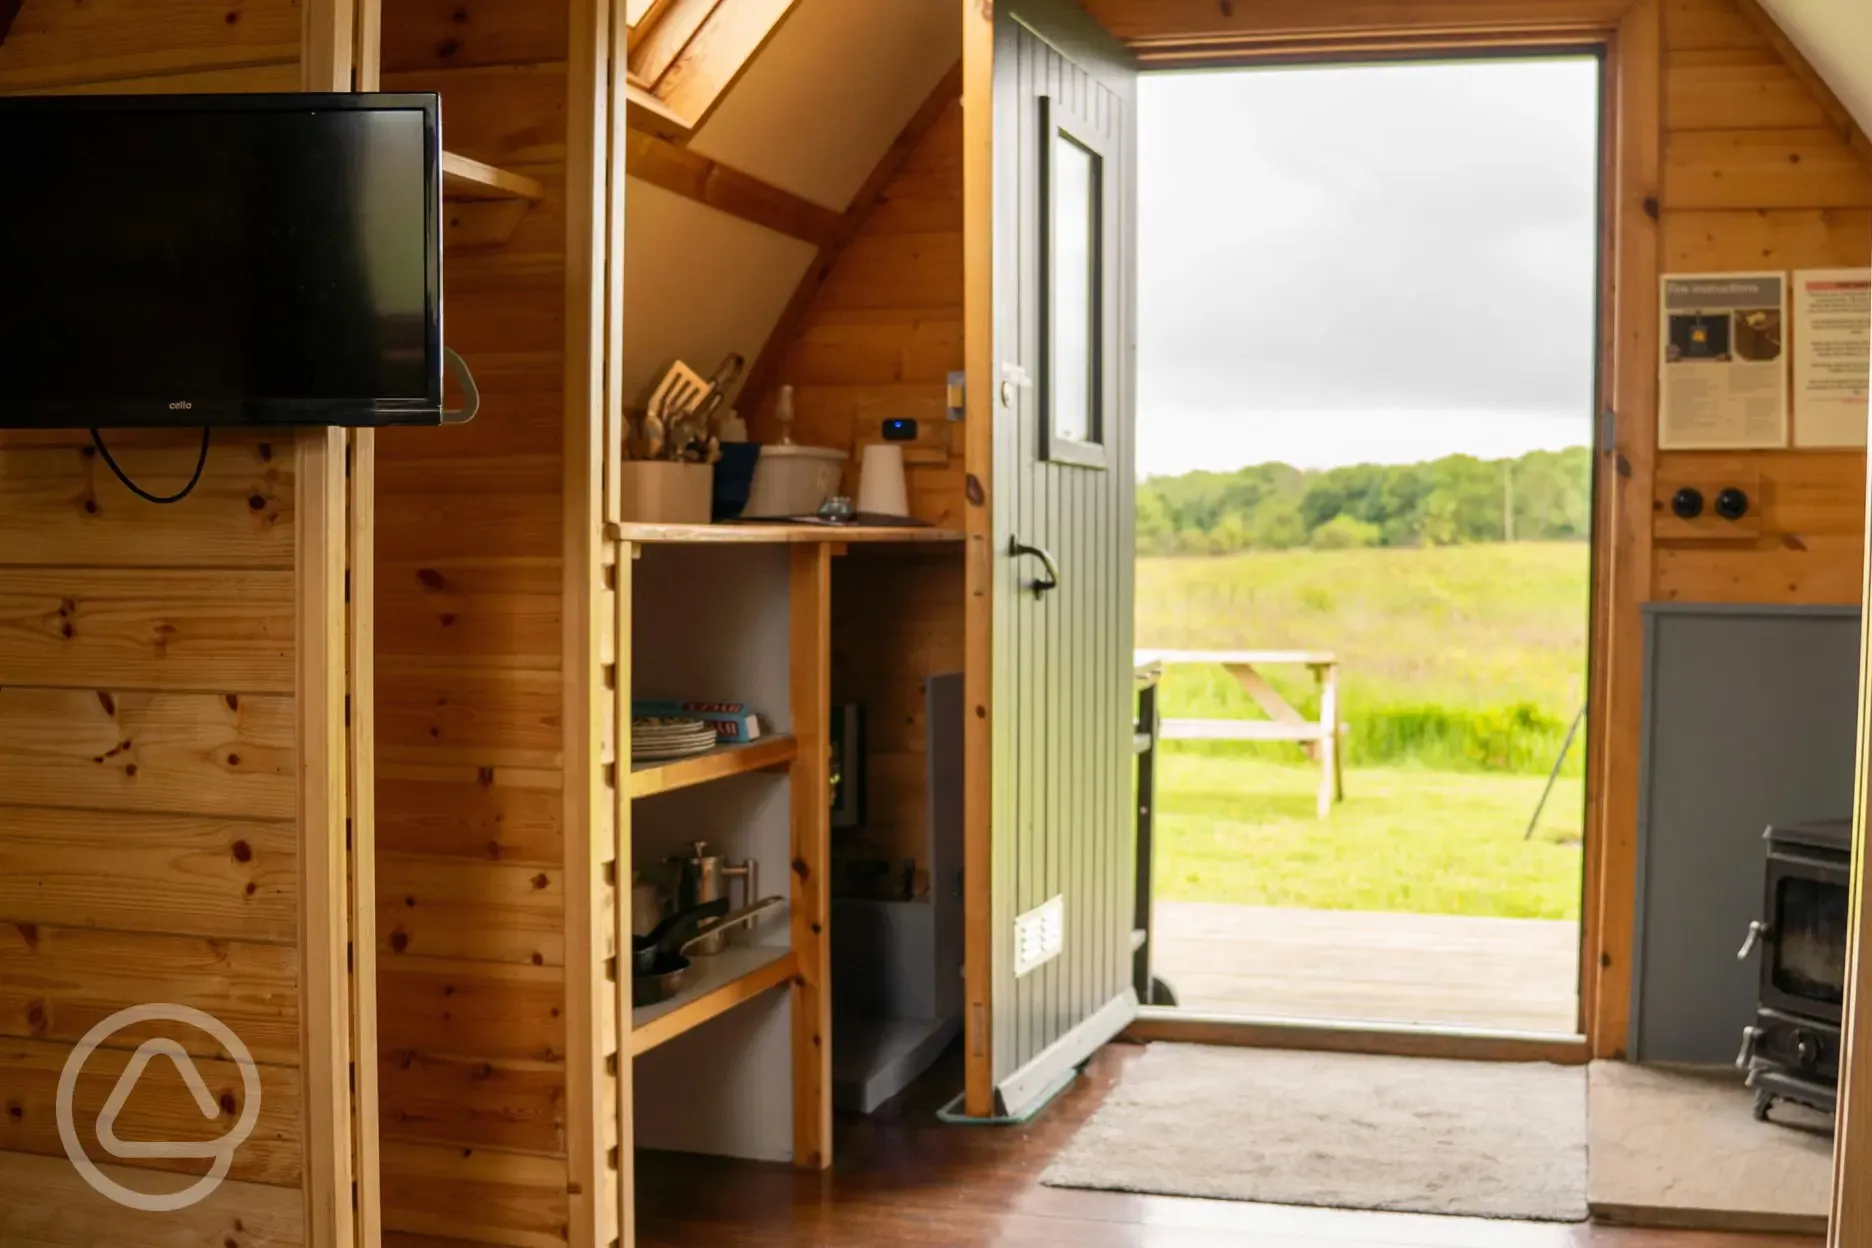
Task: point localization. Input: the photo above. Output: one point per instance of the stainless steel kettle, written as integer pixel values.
(703, 877)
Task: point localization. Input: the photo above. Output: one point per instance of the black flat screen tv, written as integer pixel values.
(215, 260)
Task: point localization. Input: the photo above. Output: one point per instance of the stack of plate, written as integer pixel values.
(653, 739)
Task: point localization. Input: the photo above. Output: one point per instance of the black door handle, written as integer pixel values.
(1052, 569)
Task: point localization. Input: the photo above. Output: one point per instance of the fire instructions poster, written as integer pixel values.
(1832, 356)
(1723, 381)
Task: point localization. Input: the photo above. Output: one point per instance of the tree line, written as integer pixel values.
(1540, 496)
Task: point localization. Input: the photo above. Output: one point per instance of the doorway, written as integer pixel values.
(1366, 376)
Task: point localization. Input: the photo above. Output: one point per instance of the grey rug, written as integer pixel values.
(1481, 1139)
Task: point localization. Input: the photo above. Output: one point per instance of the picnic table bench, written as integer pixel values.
(1320, 737)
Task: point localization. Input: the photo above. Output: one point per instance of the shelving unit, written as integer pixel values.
(739, 612)
(650, 778)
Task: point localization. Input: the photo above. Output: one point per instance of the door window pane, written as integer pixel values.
(1073, 299)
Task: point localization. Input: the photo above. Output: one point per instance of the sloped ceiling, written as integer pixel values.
(822, 101)
(813, 114)
(1836, 37)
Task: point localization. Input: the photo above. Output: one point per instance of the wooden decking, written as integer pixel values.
(1340, 965)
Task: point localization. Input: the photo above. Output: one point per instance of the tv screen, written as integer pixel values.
(220, 260)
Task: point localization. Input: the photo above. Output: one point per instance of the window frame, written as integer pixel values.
(1060, 123)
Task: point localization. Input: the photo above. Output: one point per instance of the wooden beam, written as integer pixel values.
(1625, 470)
(810, 640)
(1137, 22)
(595, 1179)
(1839, 117)
(1188, 1027)
(981, 373)
(696, 177)
(761, 376)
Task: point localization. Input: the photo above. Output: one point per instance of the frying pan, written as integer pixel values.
(668, 964)
(668, 937)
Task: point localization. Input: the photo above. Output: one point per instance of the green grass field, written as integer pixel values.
(1461, 668)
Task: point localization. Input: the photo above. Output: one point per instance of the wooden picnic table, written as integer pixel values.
(1320, 738)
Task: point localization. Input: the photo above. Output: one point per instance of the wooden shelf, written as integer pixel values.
(464, 178)
(483, 204)
(778, 533)
(730, 760)
(713, 986)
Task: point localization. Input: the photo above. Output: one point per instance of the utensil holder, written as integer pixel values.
(661, 491)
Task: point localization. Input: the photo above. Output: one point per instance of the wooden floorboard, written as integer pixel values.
(1356, 966)
(902, 1178)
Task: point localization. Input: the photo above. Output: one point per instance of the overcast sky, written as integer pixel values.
(1383, 263)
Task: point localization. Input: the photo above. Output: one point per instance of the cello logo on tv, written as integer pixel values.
(219, 1153)
(181, 405)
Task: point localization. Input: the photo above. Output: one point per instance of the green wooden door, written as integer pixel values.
(1065, 202)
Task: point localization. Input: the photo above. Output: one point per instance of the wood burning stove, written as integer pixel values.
(1792, 1050)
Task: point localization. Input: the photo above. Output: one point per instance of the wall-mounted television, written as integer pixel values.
(216, 260)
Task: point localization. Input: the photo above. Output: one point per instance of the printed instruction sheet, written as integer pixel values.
(1723, 378)
(1832, 356)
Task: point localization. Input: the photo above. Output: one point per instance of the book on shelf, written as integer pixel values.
(735, 723)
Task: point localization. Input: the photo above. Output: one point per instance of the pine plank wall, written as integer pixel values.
(149, 733)
(879, 338)
(1758, 174)
(470, 815)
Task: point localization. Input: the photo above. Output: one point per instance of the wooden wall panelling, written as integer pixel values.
(164, 1110)
(1797, 238)
(170, 629)
(447, 1191)
(56, 983)
(68, 45)
(1776, 40)
(44, 1201)
(1736, 89)
(216, 878)
(896, 621)
(875, 327)
(174, 712)
(473, 927)
(65, 509)
(1763, 168)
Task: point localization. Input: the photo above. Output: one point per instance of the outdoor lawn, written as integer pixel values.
(1242, 830)
(1461, 669)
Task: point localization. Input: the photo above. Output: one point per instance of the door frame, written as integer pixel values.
(1627, 37)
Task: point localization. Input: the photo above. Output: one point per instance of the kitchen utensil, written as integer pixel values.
(678, 391)
(724, 376)
(668, 937)
(703, 877)
(664, 977)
